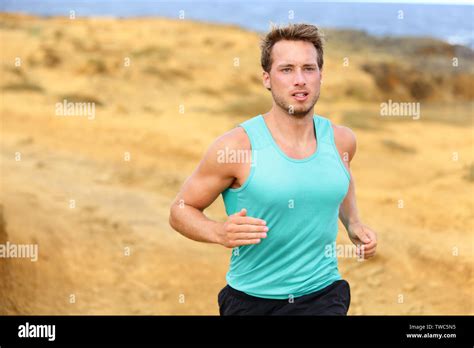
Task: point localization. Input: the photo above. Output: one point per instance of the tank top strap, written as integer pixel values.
(324, 129)
(255, 130)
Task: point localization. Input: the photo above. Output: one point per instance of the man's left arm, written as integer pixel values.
(360, 234)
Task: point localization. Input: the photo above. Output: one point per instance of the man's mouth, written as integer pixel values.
(300, 96)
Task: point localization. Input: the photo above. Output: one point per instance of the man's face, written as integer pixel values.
(294, 78)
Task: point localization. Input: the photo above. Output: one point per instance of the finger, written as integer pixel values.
(367, 251)
(250, 228)
(248, 220)
(242, 212)
(362, 250)
(370, 245)
(368, 254)
(254, 235)
(240, 242)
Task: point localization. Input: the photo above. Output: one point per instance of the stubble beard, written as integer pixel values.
(293, 109)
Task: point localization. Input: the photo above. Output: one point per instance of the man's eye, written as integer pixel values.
(286, 70)
(311, 69)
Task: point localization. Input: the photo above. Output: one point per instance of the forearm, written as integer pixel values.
(193, 224)
(348, 212)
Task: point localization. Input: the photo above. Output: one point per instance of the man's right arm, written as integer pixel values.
(205, 184)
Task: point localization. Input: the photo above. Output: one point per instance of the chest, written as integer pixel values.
(281, 183)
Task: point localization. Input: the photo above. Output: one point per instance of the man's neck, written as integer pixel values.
(293, 130)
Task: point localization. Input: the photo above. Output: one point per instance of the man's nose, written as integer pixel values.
(299, 78)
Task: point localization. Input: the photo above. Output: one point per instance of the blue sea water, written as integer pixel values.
(452, 23)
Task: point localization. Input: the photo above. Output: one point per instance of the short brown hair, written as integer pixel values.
(293, 32)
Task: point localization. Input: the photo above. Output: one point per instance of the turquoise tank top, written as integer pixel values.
(299, 199)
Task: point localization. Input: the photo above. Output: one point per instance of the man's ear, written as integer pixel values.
(266, 80)
(321, 76)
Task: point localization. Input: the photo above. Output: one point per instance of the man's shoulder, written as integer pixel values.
(234, 139)
(343, 132)
(345, 139)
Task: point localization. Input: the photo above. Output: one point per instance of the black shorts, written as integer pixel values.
(332, 300)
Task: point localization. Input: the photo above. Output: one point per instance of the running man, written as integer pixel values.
(284, 199)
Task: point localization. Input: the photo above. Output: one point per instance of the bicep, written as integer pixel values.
(202, 188)
(207, 182)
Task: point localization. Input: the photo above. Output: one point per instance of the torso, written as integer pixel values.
(299, 198)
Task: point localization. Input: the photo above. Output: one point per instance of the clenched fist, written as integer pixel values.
(240, 229)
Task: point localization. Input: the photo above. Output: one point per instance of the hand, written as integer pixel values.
(364, 238)
(240, 229)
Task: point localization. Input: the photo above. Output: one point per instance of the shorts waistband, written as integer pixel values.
(244, 296)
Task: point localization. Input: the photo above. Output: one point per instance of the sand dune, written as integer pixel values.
(163, 90)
